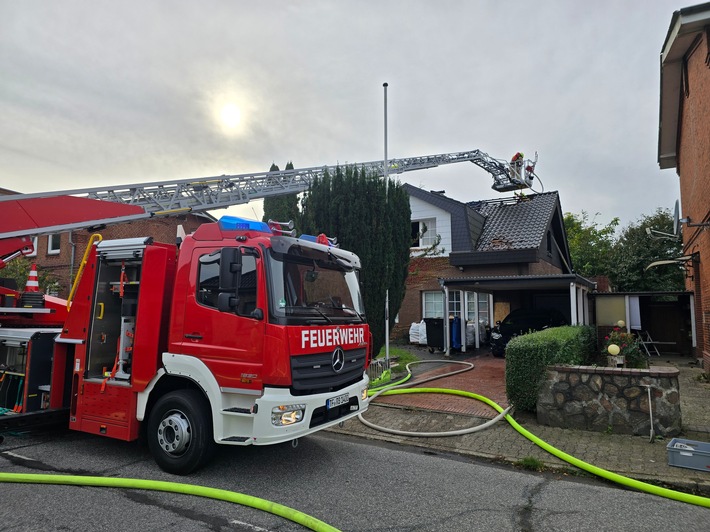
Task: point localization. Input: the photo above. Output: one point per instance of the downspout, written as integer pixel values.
(694, 337)
(71, 258)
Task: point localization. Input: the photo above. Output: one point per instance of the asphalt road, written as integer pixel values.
(349, 483)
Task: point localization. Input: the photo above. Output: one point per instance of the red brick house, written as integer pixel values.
(684, 144)
(493, 257)
(60, 254)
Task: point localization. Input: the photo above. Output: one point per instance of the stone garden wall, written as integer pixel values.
(613, 400)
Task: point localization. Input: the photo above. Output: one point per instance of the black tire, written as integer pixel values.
(179, 432)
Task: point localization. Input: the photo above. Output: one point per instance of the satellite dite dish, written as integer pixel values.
(676, 218)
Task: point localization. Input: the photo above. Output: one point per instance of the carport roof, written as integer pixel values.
(518, 282)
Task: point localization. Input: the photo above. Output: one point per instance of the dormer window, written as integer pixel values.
(424, 233)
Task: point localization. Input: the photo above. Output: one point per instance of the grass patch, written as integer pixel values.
(402, 356)
(531, 464)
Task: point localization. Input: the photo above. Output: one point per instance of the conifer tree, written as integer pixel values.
(282, 208)
(372, 219)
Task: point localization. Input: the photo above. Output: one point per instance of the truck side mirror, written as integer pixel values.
(230, 275)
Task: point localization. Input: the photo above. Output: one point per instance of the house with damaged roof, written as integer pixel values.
(480, 260)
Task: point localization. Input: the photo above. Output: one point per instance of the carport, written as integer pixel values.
(664, 321)
(568, 293)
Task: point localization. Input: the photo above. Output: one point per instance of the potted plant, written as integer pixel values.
(622, 349)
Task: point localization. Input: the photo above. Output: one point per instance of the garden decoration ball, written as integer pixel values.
(613, 349)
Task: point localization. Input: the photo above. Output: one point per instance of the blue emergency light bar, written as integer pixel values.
(235, 223)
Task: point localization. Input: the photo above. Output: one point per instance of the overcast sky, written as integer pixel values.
(104, 92)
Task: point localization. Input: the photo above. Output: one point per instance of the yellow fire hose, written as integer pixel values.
(174, 487)
(315, 524)
(396, 389)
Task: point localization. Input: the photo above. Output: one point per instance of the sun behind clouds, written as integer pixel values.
(230, 116)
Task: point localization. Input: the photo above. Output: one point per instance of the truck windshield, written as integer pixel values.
(312, 286)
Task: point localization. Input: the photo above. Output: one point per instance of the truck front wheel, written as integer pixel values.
(180, 432)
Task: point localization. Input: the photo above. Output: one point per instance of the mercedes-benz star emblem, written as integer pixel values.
(338, 360)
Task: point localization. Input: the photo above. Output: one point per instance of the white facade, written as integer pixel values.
(423, 212)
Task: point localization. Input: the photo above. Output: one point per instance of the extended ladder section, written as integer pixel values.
(223, 191)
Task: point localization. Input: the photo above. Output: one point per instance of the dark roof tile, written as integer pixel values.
(519, 222)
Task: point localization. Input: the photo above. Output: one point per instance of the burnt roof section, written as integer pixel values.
(517, 223)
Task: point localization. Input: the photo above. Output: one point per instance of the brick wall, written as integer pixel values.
(424, 273)
(694, 171)
(65, 264)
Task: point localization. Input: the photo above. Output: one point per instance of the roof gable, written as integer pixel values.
(466, 222)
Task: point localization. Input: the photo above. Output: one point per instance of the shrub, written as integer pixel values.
(528, 356)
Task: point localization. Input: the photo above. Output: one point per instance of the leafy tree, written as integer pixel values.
(635, 249)
(590, 245)
(372, 219)
(19, 270)
(281, 208)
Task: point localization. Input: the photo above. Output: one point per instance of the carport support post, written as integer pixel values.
(573, 303)
(446, 317)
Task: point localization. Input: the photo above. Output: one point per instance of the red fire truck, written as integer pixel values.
(243, 337)
(244, 334)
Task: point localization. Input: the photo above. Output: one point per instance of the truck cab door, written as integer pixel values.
(230, 343)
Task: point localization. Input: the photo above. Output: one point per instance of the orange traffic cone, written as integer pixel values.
(32, 297)
(32, 281)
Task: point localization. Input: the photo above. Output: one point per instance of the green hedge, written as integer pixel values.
(527, 356)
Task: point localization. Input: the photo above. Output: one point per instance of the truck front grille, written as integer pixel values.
(313, 374)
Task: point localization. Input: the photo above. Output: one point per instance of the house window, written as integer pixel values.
(455, 304)
(424, 233)
(53, 242)
(34, 245)
(433, 304)
(484, 313)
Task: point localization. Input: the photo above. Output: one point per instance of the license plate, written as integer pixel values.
(337, 401)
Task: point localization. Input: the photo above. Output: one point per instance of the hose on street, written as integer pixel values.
(398, 388)
(174, 487)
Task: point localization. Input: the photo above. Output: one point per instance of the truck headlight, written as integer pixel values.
(283, 415)
(363, 394)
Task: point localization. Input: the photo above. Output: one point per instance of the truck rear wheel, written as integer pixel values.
(180, 432)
